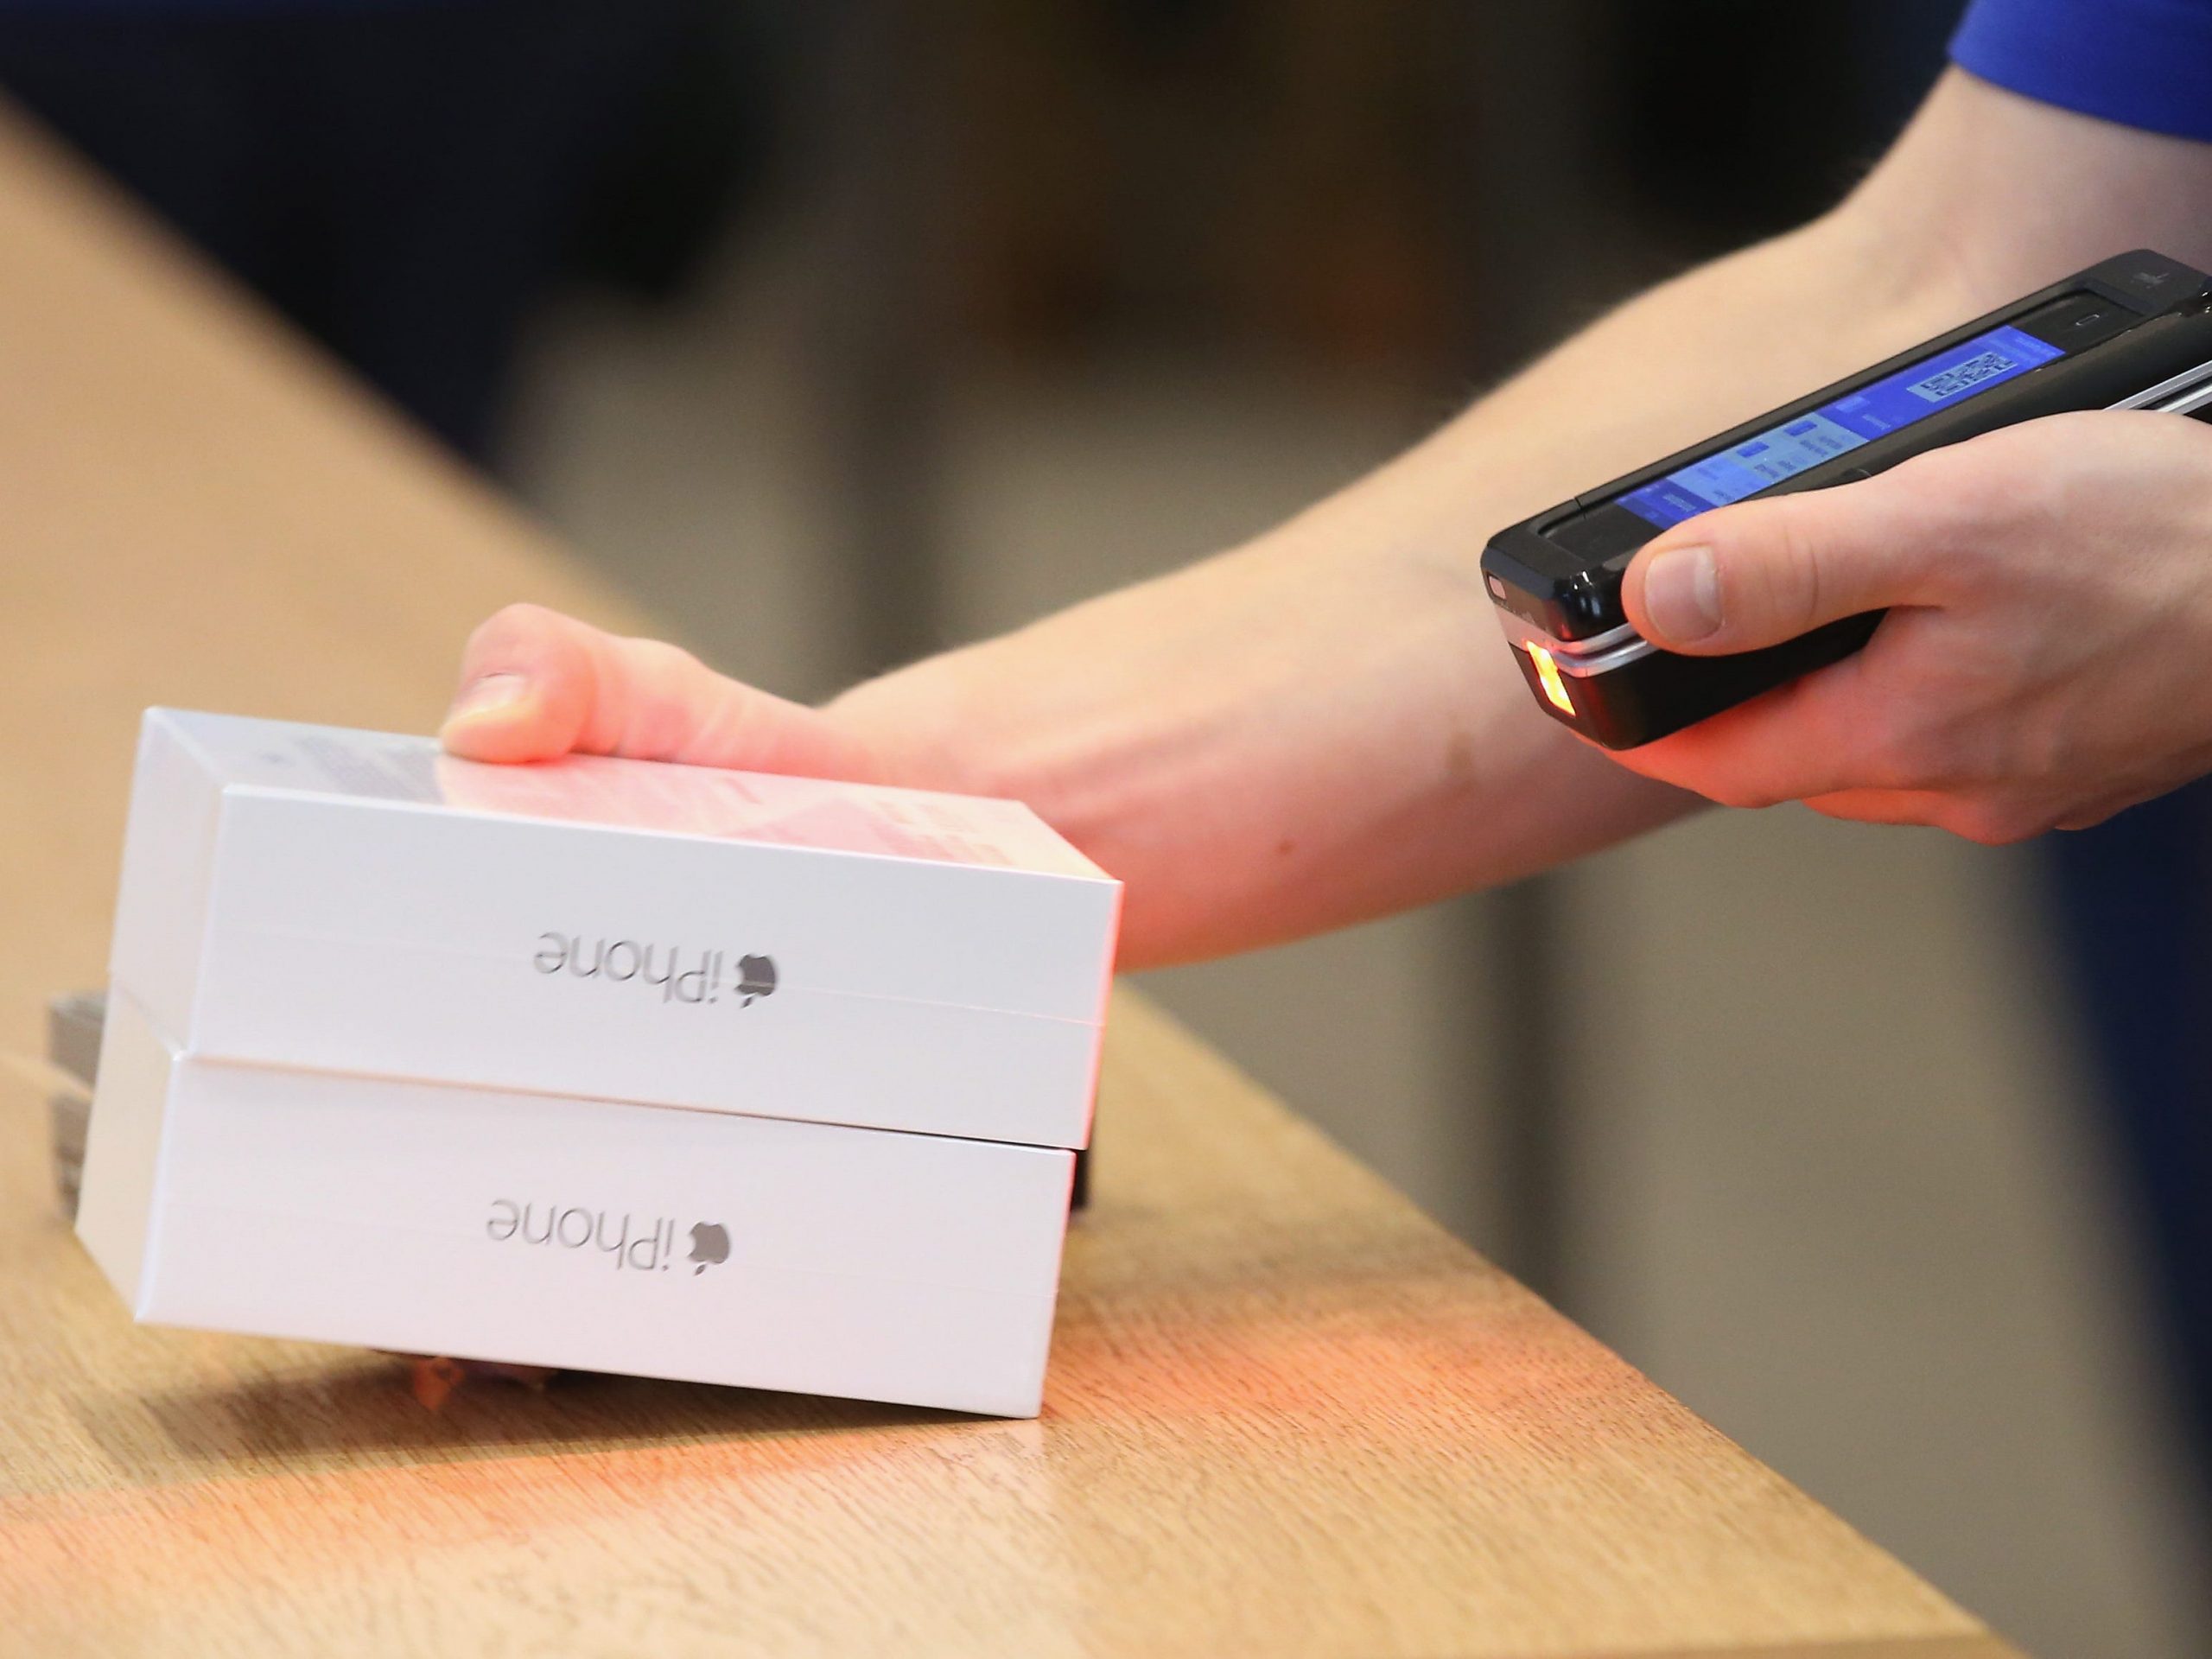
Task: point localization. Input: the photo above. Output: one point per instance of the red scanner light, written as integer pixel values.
(1547, 676)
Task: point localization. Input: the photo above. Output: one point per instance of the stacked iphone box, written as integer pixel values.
(600, 1065)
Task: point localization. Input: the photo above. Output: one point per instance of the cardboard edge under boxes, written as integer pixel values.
(429, 1204)
(73, 1045)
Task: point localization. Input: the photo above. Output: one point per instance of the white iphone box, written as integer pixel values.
(588, 1235)
(784, 947)
(600, 1063)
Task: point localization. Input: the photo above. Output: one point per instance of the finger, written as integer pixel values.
(1992, 818)
(1811, 737)
(1879, 805)
(2091, 815)
(529, 677)
(536, 684)
(1763, 571)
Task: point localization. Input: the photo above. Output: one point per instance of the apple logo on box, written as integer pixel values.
(756, 976)
(709, 1245)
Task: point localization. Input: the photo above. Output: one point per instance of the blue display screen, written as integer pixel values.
(1786, 450)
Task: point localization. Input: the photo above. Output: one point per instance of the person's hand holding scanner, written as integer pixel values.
(2046, 659)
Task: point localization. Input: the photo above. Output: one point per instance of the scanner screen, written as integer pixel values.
(1783, 451)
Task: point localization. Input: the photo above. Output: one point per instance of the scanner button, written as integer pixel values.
(2077, 322)
(2150, 274)
(2100, 322)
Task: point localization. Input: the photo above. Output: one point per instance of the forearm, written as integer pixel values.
(1325, 724)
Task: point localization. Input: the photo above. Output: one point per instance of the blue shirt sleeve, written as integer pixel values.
(2142, 63)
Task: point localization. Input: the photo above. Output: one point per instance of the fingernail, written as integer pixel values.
(488, 696)
(1682, 594)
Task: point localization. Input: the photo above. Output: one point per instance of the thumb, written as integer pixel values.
(536, 684)
(1761, 572)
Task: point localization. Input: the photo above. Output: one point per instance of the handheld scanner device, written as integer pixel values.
(2132, 333)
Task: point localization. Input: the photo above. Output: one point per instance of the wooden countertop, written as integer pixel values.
(1286, 1415)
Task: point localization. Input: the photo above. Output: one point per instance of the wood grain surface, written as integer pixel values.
(1286, 1414)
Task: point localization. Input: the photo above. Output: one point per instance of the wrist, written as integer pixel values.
(900, 724)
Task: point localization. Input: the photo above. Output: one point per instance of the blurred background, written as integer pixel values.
(839, 330)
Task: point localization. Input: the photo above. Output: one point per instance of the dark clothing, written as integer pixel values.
(2142, 63)
(401, 179)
